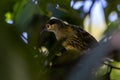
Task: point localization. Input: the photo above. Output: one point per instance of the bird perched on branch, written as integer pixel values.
(73, 37)
(74, 42)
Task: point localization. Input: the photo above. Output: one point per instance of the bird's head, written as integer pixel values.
(55, 24)
(60, 28)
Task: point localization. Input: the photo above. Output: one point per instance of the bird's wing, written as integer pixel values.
(87, 38)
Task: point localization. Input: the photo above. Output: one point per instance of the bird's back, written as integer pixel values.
(80, 40)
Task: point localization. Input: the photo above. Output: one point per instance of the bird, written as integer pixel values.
(73, 42)
(73, 37)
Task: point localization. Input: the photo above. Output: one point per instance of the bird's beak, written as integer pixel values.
(48, 27)
(44, 29)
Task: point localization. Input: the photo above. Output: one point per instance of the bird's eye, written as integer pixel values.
(47, 26)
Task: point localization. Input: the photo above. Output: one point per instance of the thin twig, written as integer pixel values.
(112, 66)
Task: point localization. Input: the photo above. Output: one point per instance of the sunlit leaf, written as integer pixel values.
(9, 18)
(115, 75)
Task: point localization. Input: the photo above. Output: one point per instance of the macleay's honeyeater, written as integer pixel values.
(74, 37)
(74, 42)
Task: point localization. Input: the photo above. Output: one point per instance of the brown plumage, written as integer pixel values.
(74, 37)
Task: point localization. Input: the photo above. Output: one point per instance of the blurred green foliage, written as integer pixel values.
(23, 61)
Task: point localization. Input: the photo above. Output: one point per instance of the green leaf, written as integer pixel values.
(23, 13)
